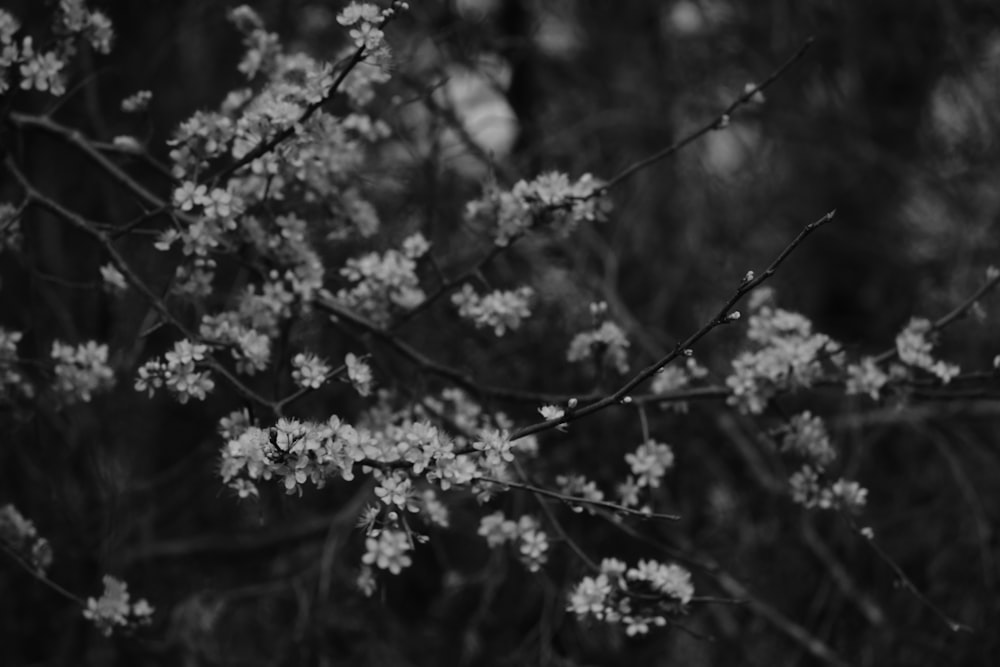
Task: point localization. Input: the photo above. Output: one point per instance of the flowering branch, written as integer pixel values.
(34, 196)
(958, 312)
(723, 316)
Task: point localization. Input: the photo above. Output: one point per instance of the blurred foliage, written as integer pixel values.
(890, 119)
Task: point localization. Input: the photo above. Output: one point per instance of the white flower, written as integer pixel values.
(113, 610)
(496, 447)
(41, 71)
(310, 371)
(608, 338)
(359, 11)
(497, 529)
(550, 412)
(82, 370)
(914, 347)
(137, 102)
(19, 535)
(671, 579)
(113, 278)
(650, 462)
(534, 545)
(359, 373)
(394, 490)
(807, 437)
(866, 377)
(388, 550)
(127, 143)
(189, 195)
(415, 246)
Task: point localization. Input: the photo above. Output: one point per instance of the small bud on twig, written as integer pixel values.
(572, 403)
(733, 316)
(627, 400)
(747, 278)
(688, 352)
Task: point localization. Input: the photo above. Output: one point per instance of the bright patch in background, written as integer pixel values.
(478, 101)
(727, 151)
(684, 18)
(557, 36)
(476, 9)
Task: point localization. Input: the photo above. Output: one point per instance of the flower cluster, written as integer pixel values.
(360, 374)
(789, 355)
(212, 213)
(115, 610)
(12, 382)
(380, 283)
(93, 26)
(81, 371)
(607, 343)
(19, 535)
(178, 371)
(501, 310)
(914, 346)
(9, 26)
(297, 452)
(10, 227)
(638, 597)
(365, 22)
(865, 377)
(388, 549)
(677, 377)
(578, 486)
(807, 438)
(532, 541)
(261, 47)
(250, 348)
(309, 371)
(137, 102)
(112, 279)
(550, 201)
(496, 447)
(811, 490)
(43, 71)
(364, 19)
(649, 463)
(812, 486)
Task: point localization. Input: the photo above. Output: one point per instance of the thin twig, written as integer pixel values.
(955, 314)
(131, 276)
(41, 576)
(576, 500)
(557, 526)
(906, 582)
(722, 317)
(719, 122)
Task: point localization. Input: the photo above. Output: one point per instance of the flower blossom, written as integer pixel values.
(501, 310)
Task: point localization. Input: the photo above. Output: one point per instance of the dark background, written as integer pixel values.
(890, 118)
